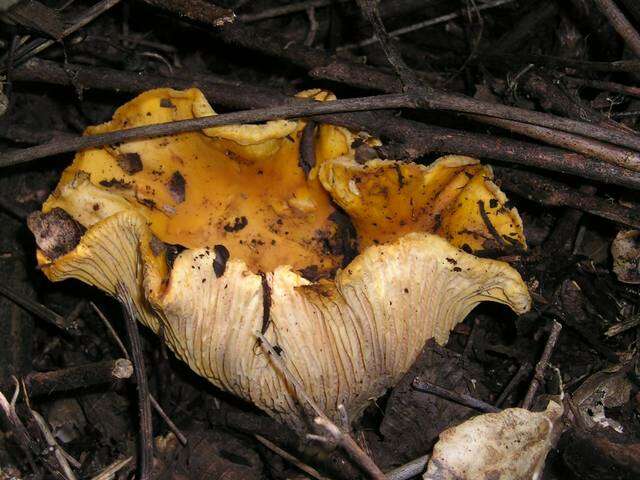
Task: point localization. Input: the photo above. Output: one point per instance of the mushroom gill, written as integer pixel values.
(254, 221)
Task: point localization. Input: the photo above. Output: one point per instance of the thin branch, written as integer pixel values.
(424, 24)
(549, 61)
(549, 192)
(154, 403)
(440, 100)
(53, 445)
(169, 128)
(172, 426)
(39, 44)
(404, 139)
(623, 326)
(621, 24)
(324, 65)
(313, 27)
(371, 11)
(39, 310)
(622, 157)
(27, 445)
(606, 86)
(341, 71)
(286, 10)
(513, 383)
(72, 378)
(289, 375)
(109, 472)
(629, 114)
(538, 377)
(461, 398)
(111, 331)
(145, 459)
(312, 472)
(197, 10)
(332, 431)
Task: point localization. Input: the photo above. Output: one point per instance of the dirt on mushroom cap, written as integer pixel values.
(240, 187)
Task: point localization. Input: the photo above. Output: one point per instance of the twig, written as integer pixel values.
(618, 328)
(538, 377)
(66, 379)
(290, 458)
(286, 10)
(525, 27)
(607, 86)
(39, 310)
(53, 444)
(323, 65)
(410, 82)
(17, 427)
(111, 331)
(621, 24)
(197, 10)
(313, 27)
(38, 45)
(109, 472)
(154, 403)
(466, 400)
(555, 99)
(424, 24)
(549, 192)
(592, 148)
(410, 469)
(331, 429)
(408, 139)
(629, 114)
(145, 458)
(169, 128)
(279, 363)
(341, 71)
(307, 147)
(172, 426)
(27, 443)
(305, 109)
(513, 383)
(345, 441)
(507, 59)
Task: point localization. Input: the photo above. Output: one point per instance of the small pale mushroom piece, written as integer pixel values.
(349, 335)
(509, 445)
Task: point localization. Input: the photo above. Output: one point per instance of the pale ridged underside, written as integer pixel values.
(346, 340)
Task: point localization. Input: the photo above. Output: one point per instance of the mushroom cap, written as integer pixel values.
(237, 185)
(347, 338)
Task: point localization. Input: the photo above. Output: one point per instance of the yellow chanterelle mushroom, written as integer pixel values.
(349, 268)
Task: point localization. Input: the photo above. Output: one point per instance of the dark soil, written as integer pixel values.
(560, 57)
